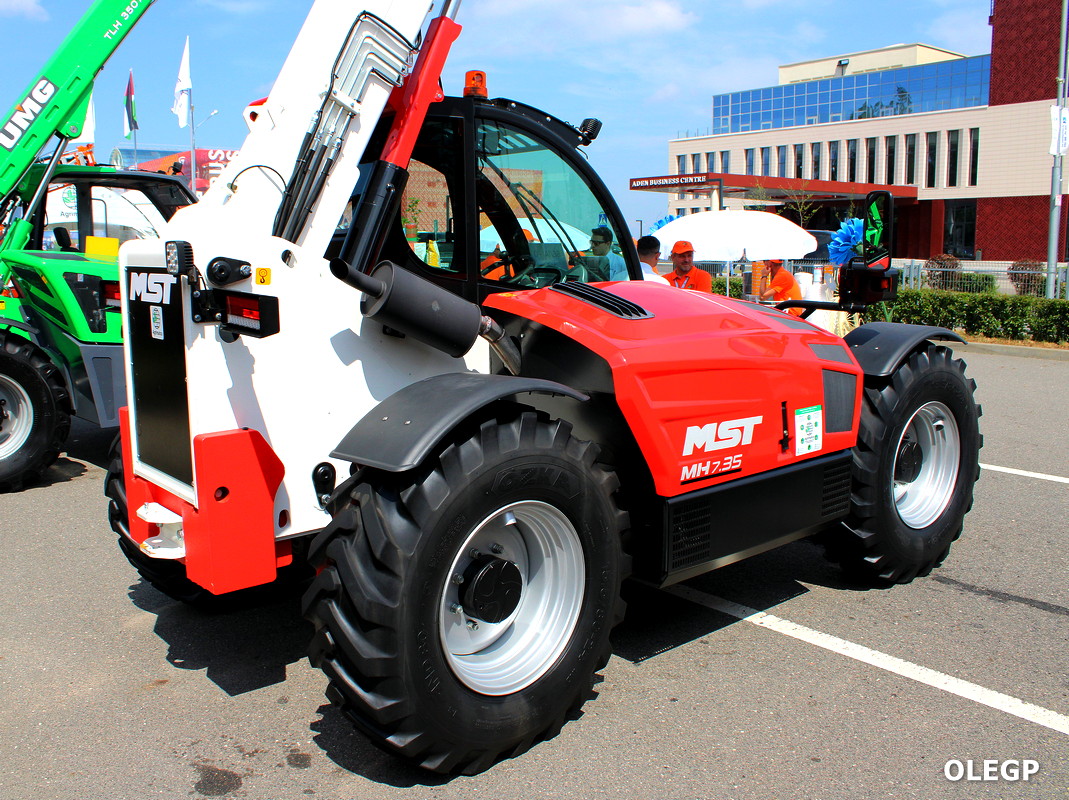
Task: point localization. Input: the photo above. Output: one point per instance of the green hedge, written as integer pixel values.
(994, 315)
(736, 286)
(976, 283)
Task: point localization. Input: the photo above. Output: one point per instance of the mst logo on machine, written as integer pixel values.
(717, 436)
(25, 113)
(150, 287)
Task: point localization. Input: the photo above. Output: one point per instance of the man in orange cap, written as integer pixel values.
(685, 275)
(783, 286)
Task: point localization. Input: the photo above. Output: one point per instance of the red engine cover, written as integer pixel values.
(714, 389)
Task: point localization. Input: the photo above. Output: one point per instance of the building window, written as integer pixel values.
(889, 150)
(749, 161)
(725, 161)
(974, 156)
(695, 210)
(766, 160)
(870, 159)
(710, 162)
(696, 160)
(953, 140)
(781, 160)
(833, 161)
(911, 158)
(799, 159)
(851, 160)
(959, 231)
(960, 83)
(931, 147)
(815, 162)
(681, 165)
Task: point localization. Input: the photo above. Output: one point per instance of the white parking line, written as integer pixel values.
(1022, 472)
(970, 691)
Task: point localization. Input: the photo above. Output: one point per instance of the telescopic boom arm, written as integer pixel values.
(55, 102)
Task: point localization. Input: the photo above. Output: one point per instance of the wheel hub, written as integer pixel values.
(504, 619)
(927, 461)
(909, 460)
(492, 589)
(16, 417)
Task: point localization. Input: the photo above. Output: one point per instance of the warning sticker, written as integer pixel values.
(808, 430)
(263, 276)
(156, 315)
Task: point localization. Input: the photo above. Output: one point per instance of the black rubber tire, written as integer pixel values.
(386, 558)
(27, 367)
(169, 576)
(875, 542)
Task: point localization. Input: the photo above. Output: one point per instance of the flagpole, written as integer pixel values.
(192, 146)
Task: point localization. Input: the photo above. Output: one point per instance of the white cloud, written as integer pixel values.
(23, 8)
(544, 23)
(961, 30)
(236, 6)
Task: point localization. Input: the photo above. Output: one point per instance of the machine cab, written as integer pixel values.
(499, 198)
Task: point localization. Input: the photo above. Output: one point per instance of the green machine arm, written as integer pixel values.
(55, 102)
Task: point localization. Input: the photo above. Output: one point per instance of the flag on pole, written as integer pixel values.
(130, 120)
(182, 89)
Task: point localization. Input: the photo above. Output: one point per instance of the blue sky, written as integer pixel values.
(646, 68)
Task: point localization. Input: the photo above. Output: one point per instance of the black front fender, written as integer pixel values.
(880, 347)
(402, 430)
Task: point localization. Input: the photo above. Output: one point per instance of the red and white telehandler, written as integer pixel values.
(375, 350)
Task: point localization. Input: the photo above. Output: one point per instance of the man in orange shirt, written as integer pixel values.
(783, 286)
(686, 276)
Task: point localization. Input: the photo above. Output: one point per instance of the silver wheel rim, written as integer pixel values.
(505, 657)
(16, 417)
(932, 432)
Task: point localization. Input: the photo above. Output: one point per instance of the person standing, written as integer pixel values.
(686, 275)
(601, 245)
(649, 253)
(782, 285)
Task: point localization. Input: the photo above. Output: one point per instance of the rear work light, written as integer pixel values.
(245, 314)
(110, 293)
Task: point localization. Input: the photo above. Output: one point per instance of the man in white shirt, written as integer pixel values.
(649, 253)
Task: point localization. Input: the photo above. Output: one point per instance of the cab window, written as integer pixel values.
(539, 221)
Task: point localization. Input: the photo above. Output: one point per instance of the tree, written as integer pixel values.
(762, 200)
(800, 202)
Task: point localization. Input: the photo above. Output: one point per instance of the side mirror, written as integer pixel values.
(869, 278)
(879, 230)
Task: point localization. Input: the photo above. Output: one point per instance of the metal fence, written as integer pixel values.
(991, 277)
(998, 277)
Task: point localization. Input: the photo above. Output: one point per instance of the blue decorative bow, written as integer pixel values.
(846, 242)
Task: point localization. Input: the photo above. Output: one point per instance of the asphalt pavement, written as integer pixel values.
(772, 678)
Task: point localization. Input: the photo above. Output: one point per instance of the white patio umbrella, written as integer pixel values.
(723, 235)
(543, 231)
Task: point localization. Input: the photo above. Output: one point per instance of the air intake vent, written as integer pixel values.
(606, 301)
(691, 534)
(835, 499)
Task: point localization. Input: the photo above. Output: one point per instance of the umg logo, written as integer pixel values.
(25, 113)
(149, 287)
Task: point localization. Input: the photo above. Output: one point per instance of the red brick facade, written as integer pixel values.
(1024, 51)
(1014, 228)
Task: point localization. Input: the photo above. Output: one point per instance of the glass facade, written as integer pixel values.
(961, 83)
